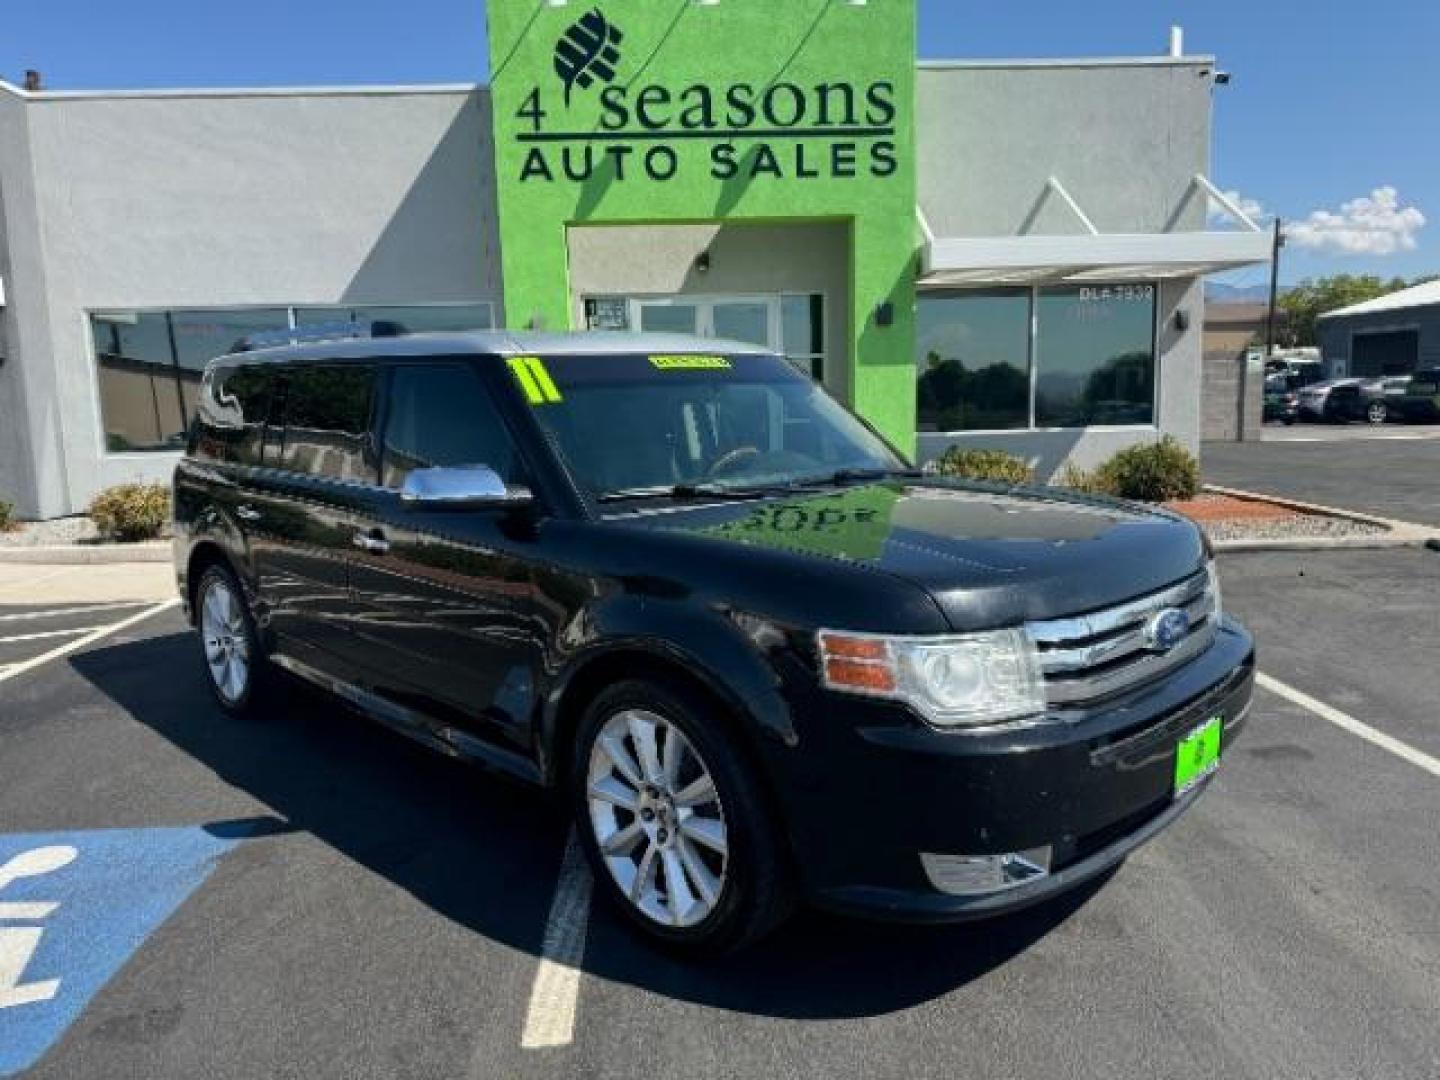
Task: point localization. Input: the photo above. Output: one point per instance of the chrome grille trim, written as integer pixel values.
(1090, 656)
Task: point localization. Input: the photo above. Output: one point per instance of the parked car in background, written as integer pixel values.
(1421, 399)
(1298, 371)
(1380, 399)
(1333, 401)
(1281, 402)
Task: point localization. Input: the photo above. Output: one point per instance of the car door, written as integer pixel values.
(303, 508)
(446, 621)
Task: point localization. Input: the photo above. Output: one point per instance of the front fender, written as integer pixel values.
(707, 644)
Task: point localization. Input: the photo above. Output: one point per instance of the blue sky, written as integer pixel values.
(1329, 102)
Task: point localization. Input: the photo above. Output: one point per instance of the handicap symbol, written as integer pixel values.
(76, 906)
(18, 943)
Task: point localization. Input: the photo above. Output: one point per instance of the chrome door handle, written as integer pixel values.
(247, 513)
(373, 542)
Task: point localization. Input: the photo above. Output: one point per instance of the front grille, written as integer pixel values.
(1105, 652)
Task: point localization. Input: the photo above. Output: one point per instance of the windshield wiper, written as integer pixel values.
(848, 476)
(685, 492)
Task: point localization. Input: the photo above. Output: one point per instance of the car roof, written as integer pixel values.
(495, 343)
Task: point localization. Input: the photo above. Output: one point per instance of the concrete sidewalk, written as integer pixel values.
(43, 583)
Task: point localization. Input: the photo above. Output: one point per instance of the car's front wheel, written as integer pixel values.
(1377, 412)
(674, 821)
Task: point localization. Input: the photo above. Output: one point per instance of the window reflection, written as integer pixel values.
(1095, 354)
(399, 318)
(974, 350)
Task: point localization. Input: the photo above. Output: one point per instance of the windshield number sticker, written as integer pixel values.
(690, 363)
(534, 380)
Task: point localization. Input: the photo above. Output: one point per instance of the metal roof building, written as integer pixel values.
(1390, 335)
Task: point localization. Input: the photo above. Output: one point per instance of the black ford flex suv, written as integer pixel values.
(763, 659)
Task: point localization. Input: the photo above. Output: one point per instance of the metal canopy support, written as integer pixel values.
(1054, 187)
(1094, 256)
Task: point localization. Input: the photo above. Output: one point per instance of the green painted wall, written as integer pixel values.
(628, 111)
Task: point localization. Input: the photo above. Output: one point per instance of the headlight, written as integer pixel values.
(960, 680)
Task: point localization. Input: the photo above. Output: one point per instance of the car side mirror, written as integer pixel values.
(460, 487)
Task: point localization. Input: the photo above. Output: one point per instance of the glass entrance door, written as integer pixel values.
(791, 324)
(754, 320)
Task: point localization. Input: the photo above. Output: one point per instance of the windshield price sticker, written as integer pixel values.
(691, 363)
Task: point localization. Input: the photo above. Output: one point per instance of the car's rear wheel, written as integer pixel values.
(674, 821)
(1376, 412)
(228, 641)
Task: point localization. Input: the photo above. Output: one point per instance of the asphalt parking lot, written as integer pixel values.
(313, 896)
(1392, 471)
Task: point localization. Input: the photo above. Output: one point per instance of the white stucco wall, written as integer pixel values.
(216, 199)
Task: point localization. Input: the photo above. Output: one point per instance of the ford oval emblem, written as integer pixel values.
(1166, 629)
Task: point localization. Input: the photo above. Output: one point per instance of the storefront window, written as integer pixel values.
(1093, 349)
(974, 360)
(141, 399)
(150, 362)
(1095, 356)
(407, 318)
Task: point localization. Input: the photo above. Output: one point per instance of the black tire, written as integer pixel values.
(756, 893)
(257, 677)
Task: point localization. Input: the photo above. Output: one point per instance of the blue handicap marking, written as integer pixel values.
(74, 907)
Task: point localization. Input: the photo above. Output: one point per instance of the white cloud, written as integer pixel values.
(1217, 214)
(1374, 224)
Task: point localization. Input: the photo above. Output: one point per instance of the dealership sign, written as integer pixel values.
(618, 112)
(655, 130)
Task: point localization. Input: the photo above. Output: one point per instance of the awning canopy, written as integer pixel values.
(1092, 256)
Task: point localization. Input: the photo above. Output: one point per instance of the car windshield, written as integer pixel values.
(632, 426)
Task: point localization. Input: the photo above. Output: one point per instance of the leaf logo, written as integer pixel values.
(587, 51)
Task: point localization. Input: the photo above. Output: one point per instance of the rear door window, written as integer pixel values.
(235, 405)
(327, 422)
(442, 415)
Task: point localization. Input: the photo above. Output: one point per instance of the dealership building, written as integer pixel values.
(996, 253)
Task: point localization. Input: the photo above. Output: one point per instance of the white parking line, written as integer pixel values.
(550, 1019)
(89, 639)
(55, 613)
(15, 639)
(1350, 724)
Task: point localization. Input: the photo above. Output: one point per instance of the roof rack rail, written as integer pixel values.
(318, 332)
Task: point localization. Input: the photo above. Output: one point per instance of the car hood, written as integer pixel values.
(989, 556)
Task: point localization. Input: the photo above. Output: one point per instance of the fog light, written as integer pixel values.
(975, 875)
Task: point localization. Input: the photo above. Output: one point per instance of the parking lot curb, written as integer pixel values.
(1397, 534)
(88, 554)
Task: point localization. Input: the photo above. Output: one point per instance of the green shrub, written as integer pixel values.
(972, 464)
(131, 512)
(7, 516)
(1152, 472)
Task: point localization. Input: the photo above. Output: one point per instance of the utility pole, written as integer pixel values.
(1275, 247)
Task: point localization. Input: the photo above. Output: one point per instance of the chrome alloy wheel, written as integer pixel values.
(657, 818)
(1377, 413)
(227, 645)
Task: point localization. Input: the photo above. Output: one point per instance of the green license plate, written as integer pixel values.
(1198, 754)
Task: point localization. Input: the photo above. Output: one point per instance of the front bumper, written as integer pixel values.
(876, 788)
